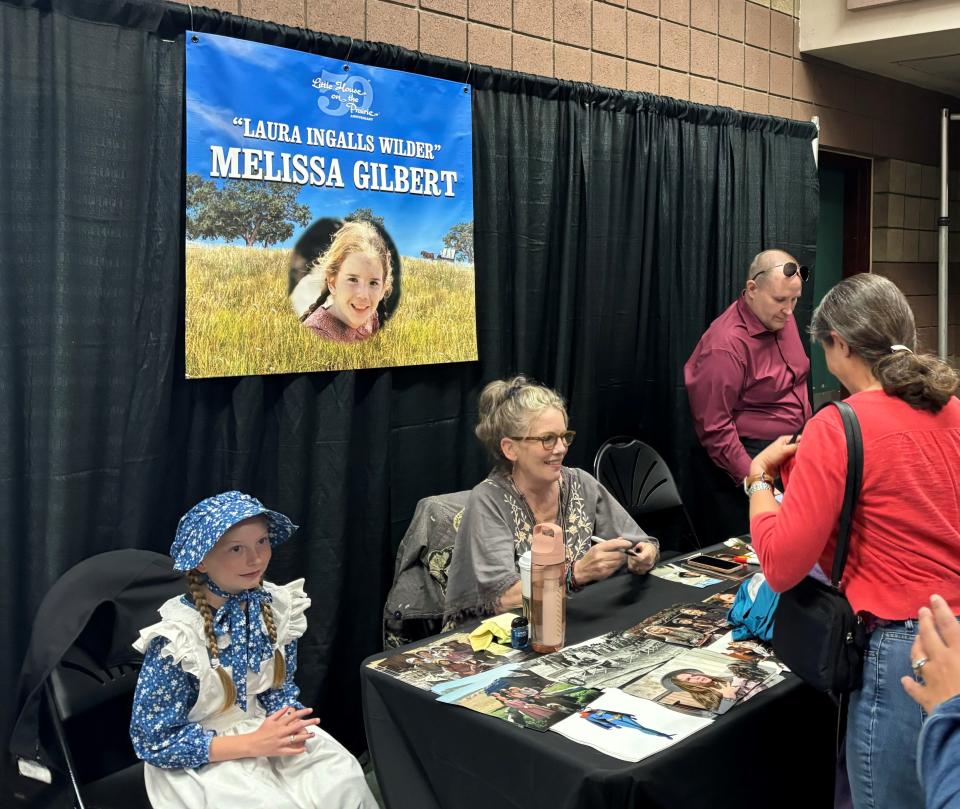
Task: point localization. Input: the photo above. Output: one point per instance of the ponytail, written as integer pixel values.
(921, 380)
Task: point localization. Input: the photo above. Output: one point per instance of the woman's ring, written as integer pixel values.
(918, 664)
(293, 738)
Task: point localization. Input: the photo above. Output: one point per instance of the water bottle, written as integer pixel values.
(548, 588)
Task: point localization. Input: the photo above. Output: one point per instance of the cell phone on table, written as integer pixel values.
(714, 564)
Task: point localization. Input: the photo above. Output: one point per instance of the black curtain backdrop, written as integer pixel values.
(610, 229)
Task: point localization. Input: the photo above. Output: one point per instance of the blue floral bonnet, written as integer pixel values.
(203, 525)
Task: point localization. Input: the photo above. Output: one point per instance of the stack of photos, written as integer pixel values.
(605, 662)
(685, 624)
(702, 683)
(522, 698)
(450, 658)
(626, 727)
(683, 575)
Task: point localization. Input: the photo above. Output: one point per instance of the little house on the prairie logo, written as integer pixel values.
(351, 96)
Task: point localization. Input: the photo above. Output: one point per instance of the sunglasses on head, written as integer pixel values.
(789, 268)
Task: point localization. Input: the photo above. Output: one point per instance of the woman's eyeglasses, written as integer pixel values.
(789, 268)
(549, 440)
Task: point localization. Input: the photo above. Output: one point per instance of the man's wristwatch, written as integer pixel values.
(750, 481)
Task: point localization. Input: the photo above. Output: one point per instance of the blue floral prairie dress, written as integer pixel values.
(177, 712)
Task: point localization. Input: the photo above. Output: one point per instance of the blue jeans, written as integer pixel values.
(884, 724)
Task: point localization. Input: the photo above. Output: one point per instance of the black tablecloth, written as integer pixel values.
(774, 750)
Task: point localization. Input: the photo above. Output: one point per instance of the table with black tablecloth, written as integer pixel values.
(776, 749)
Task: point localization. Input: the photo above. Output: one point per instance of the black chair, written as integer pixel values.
(80, 677)
(640, 480)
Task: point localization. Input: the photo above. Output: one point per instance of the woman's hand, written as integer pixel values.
(602, 560)
(728, 692)
(774, 455)
(938, 643)
(642, 558)
(511, 599)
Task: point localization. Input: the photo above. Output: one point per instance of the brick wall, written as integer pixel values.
(905, 209)
(737, 53)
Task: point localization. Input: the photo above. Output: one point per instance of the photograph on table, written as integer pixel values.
(702, 683)
(682, 575)
(748, 650)
(524, 698)
(628, 728)
(685, 624)
(450, 658)
(724, 600)
(605, 662)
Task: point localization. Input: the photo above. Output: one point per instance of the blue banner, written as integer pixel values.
(329, 210)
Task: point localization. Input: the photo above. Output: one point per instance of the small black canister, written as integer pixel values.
(520, 633)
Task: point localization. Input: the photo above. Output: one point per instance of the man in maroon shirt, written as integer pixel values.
(747, 377)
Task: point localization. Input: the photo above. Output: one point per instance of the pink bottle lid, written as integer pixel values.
(547, 545)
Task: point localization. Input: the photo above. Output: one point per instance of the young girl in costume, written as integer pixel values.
(356, 277)
(216, 716)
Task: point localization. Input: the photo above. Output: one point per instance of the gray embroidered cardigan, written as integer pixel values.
(496, 529)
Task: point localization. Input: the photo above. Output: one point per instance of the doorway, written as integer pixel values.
(843, 243)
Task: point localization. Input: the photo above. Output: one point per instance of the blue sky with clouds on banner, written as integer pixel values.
(232, 78)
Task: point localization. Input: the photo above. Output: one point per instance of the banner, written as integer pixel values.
(329, 213)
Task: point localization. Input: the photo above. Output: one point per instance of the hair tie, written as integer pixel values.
(513, 391)
(896, 348)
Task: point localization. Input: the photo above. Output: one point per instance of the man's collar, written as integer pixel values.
(754, 327)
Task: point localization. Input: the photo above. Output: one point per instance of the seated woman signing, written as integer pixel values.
(524, 427)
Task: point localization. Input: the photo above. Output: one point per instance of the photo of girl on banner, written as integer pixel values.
(316, 190)
(348, 290)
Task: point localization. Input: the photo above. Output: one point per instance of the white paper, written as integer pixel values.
(626, 727)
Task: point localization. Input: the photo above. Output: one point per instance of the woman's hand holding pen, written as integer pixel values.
(642, 558)
(604, 559)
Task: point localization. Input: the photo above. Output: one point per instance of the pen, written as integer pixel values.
(631, 549)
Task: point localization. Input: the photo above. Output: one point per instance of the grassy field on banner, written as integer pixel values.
(239, 322)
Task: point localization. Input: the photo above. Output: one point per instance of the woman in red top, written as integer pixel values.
(905, 537)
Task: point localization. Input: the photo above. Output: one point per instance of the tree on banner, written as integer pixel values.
(460, 238)
(255, 211)
(364, 215)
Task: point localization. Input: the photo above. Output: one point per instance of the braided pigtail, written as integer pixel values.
(279, 665)
(195, 587)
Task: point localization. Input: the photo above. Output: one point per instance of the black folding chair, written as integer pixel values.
(640, 480)
(80, 677)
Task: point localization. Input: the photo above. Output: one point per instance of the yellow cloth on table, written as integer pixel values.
(492, 631)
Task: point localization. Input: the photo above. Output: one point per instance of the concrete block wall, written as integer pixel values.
(737, 53)
(905, 209)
